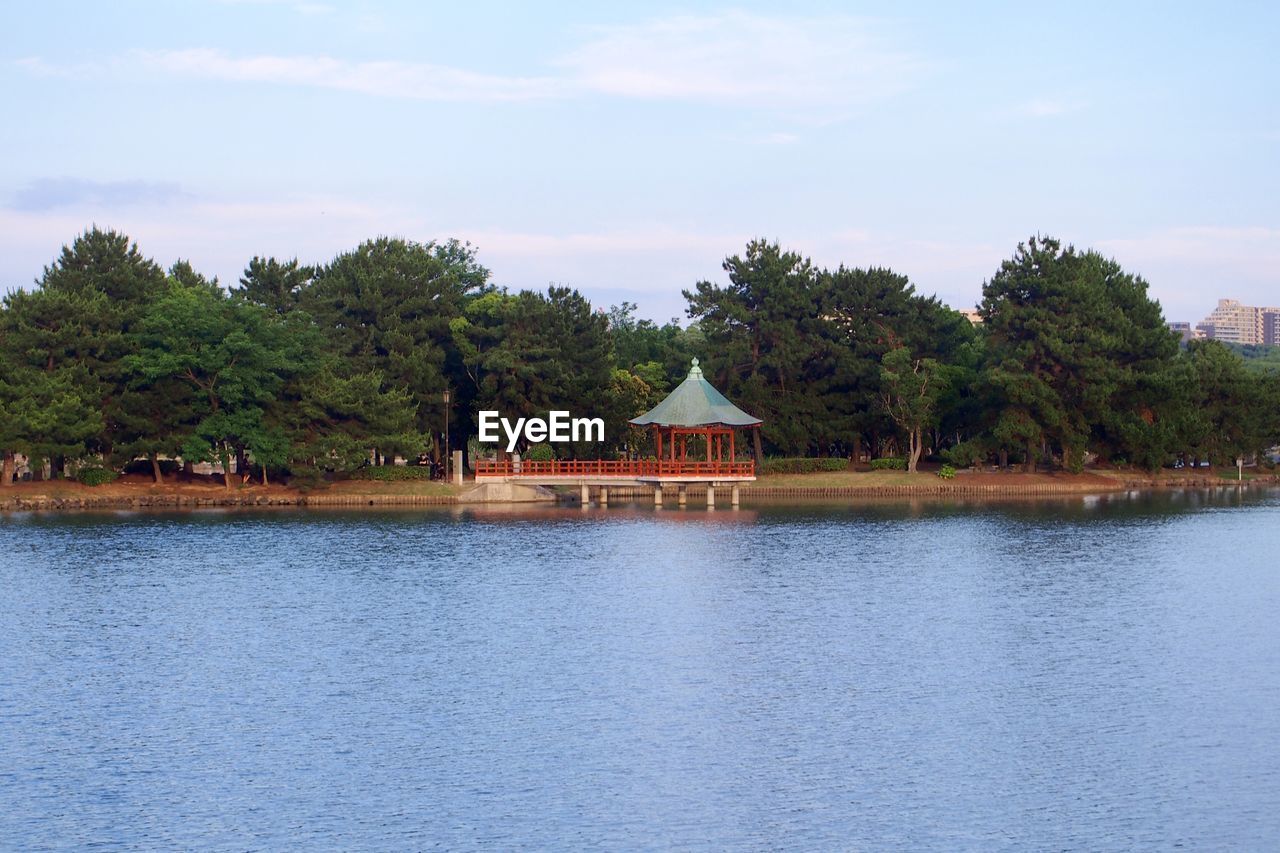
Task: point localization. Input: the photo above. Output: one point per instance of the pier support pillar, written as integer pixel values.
(604, 496)
(711, 496)
(682, 494)
(657, 495)
(733, 496)
(586, 494)
(457, 467)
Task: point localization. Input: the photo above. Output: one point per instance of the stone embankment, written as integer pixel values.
(117, 502)
(26, 501)
(951, 488)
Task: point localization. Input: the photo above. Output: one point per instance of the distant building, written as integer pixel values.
(1271, 328)
(972, 316)
(1235, 323)
(1185, 331)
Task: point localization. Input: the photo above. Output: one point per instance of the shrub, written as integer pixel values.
(889, 463)
(307, 478)
(539, 453)
(392, 473)
(965, 454)
(946, 472)
(802, 465)
(96, 475)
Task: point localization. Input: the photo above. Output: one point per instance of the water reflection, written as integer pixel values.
(1084, 672)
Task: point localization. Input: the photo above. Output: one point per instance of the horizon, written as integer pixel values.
(626, 155)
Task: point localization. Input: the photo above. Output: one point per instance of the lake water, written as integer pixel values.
(1098, 673)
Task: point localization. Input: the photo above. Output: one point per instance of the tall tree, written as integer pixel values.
(760, 331)
(75, 327)
(232, 357)
(332, 421)
(43, 415)
(865, 314)
(386, 308)
(910, 391)
(1070, 337)
(657, 354)
(100, 287)
(274, 285)
(1233, 407)
(528, 353)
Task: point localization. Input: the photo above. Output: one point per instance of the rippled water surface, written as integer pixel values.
(1090, 673)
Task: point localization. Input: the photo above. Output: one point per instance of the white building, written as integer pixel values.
(1235, 323)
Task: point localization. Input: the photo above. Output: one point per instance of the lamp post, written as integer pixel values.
(445, 397)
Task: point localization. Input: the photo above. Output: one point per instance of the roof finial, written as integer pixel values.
(695, 372)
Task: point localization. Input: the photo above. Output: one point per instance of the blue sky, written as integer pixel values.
(626, 149)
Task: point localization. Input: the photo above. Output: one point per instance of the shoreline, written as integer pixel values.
(58, 496)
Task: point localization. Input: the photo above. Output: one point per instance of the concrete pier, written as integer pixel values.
(711, 496)
(604, 496)
(682, 495)
(657, 495)
(585, 494)
(733, 496)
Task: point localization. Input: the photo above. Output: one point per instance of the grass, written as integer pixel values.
(56, 489)
(836, 479)
(400, 487)
(927, 477)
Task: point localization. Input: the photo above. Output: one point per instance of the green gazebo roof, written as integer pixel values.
(695, 403)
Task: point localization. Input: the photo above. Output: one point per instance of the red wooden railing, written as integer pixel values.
(587, 468)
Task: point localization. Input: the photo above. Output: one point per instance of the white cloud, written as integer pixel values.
(302, 7)
(779, 138)
(1049, 107)
(822, 65)
(386, 79)
(773, 61)
(38, 67)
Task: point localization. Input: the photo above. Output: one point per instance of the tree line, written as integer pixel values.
(1072, 362)
(306, 371)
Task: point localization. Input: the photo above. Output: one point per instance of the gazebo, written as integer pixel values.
(695, 408)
